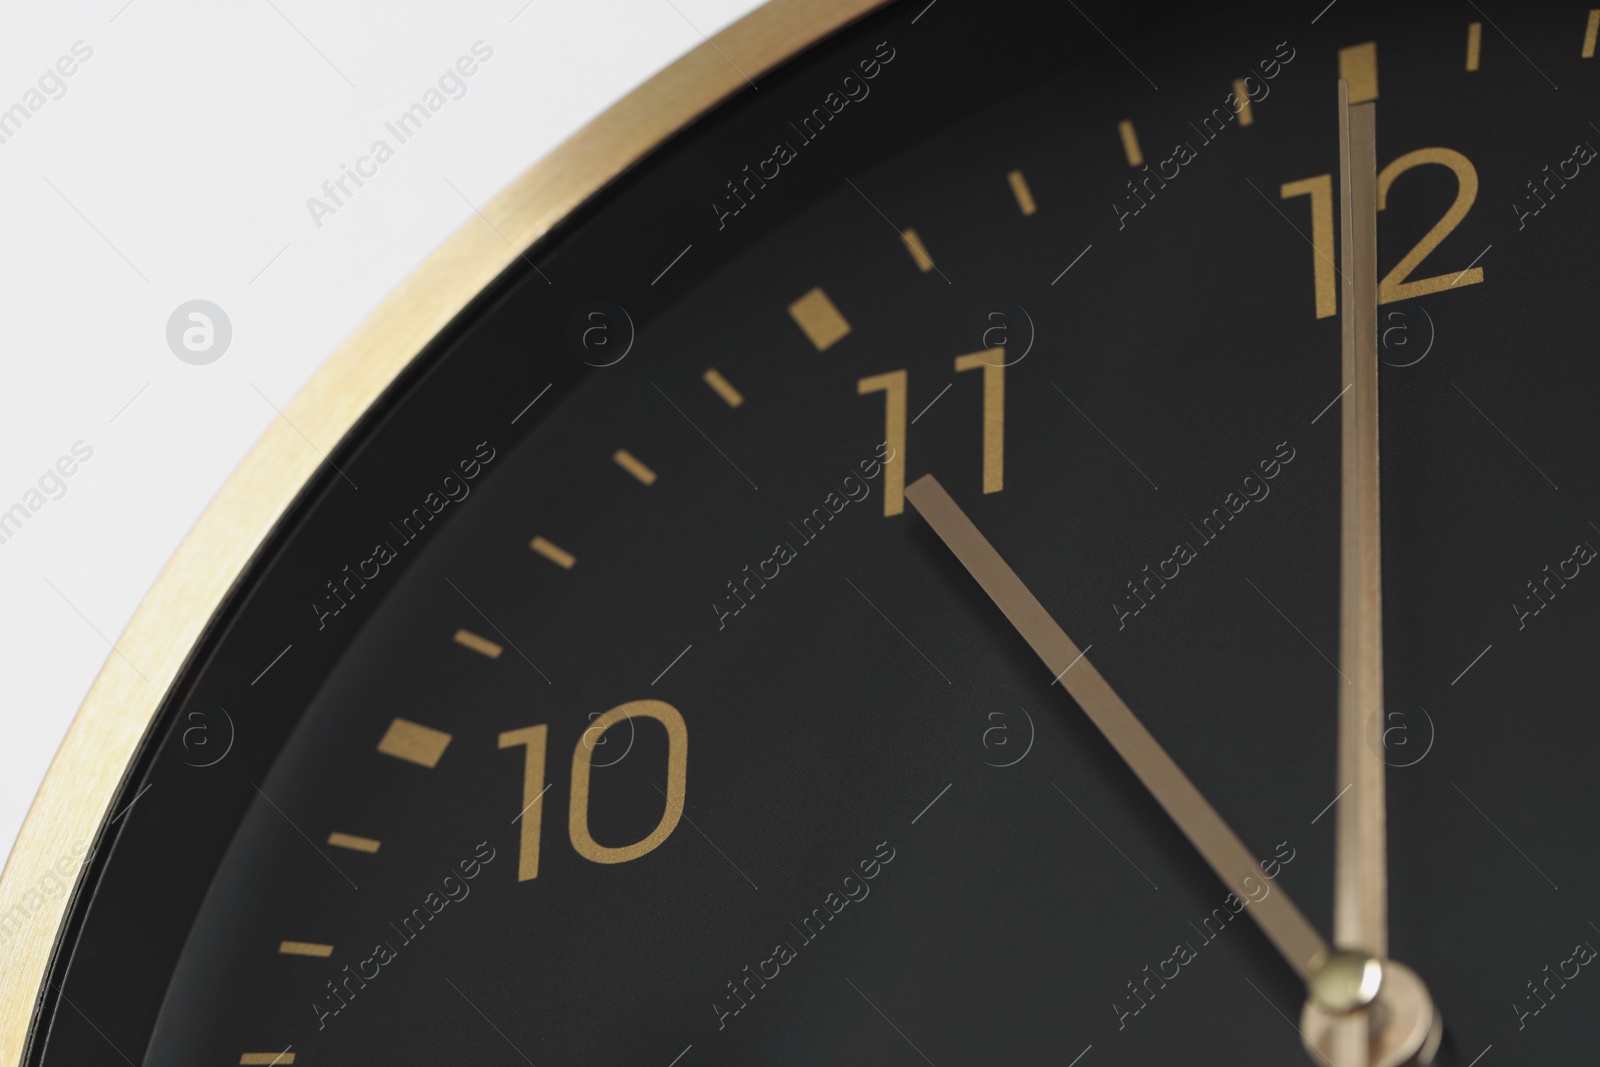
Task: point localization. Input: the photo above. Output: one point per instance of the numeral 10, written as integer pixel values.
(533, 786)
(894, 385)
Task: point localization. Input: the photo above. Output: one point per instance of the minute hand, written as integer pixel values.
(1277, 915)
(1360, 898)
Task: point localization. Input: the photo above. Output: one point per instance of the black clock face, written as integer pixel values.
(626, 713)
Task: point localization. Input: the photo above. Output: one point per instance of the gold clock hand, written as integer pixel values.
(1364, 1010)
(1360, 891)
(1360, 908)
(1277, 915)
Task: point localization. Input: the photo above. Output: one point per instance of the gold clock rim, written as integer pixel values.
(88, 769)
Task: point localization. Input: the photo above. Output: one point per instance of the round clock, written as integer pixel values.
(879, 551)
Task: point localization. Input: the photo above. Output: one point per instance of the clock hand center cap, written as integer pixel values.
(1347, 980)
(1392, 1004)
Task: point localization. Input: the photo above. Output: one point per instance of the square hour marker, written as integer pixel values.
(553, 552)
(723, 387)
(354, 843)
(468, 639)
(414, 743)
(820, 320)
(1358, 65)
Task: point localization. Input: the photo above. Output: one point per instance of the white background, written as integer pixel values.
(176, 166)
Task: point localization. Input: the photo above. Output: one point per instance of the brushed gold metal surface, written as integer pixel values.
(478, 643)
(553, 552)
(583, 842)
(919, 251)
(354, 842)
(1283, 923)
(1400, 1029)
(1360, 909)
(1020, 190)
(1360, 880)
(724, 388)
(305, 948)
(822, 322)
(88, 769)
(1130, 142)
(414, 743)
(534, 740)
(634, 466)
(1358, 66)
(1402, 1026)
(992, 361)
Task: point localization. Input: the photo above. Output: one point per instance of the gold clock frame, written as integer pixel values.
(86, 775)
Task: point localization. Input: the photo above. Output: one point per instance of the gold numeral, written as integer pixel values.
(1320, 189)
(677, 772)
(533, 786)
(993, 362)
(1394, 285)
(893, 386)
(532, 790)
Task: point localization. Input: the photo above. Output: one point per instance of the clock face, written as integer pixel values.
(604, 701)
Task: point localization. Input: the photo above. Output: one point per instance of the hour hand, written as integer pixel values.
(1277, 915)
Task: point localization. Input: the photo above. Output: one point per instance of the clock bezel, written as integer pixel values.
(110, 728)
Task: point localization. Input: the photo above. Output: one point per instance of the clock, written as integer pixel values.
(877, 551)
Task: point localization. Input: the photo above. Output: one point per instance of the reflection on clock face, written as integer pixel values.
(626, 713)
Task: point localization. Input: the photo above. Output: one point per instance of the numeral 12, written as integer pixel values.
(1394, 285)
